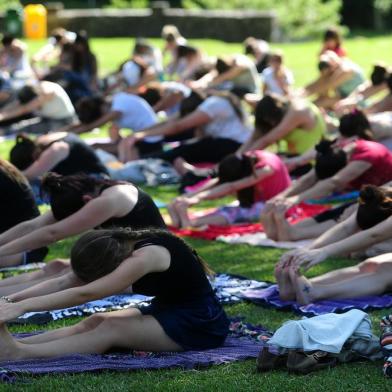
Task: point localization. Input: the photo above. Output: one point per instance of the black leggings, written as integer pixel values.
(207, 149)
(333, 214)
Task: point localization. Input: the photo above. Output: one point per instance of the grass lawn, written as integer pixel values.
(238, 259)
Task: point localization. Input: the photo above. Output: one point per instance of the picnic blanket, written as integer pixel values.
(244, 342)
(260, 239)
(228, 289)
(270, 296)
(294, 214)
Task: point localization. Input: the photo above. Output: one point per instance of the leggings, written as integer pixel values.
(207, 149)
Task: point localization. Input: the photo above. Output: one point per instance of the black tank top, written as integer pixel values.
(17, 203)
(81, 158)
(185, 279)
(143, 215)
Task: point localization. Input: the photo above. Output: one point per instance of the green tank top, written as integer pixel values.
(301, 140)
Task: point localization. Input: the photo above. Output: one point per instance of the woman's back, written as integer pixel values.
(144, 214)
(81, 158)
(17, 203)
(185, 279)
(380, 159)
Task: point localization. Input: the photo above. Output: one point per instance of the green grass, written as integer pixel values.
(238, 259)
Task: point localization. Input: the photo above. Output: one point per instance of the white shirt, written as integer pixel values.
(271, 82)
(225, 122)
(60, 106)
(136, 114)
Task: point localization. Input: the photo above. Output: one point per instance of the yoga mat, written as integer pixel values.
(228, 289)
(244, 342)
(260, 239)
(294, 214)
(336, 198)
(270, 296)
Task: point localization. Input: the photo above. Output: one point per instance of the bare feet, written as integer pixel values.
(268, 222)
(171, 209)
(286, 290)
(283, 228)
(9, 349)
(304, 291)
(182, 210)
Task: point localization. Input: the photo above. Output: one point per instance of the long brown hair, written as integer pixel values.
(12, 172)
(99, 252)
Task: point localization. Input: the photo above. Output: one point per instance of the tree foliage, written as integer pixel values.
(296, 18)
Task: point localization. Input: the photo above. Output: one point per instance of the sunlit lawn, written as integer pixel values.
(238, 259)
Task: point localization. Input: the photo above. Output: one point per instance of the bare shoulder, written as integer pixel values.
(157, 258)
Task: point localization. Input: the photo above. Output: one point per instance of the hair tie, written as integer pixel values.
(355, 111)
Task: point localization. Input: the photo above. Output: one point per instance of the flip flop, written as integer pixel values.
(268, 361)
(300, 362)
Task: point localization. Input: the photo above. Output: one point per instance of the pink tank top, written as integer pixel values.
(276, 182)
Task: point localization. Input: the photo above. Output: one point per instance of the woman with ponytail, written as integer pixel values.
(341, 165)
(184, 314)
(368, 228)
(255, 177)
(218, 117)
(79, 203)
(295, 121)
(59, 152)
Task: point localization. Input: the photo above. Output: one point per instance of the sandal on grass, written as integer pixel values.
(268, 361)
(303, 363)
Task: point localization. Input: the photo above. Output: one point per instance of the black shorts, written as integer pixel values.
(200, 324)
(333, 214)
(207, 149)
(145, 148)
(35, 256)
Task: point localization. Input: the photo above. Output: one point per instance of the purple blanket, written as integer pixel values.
(244, 342)
(270, 296)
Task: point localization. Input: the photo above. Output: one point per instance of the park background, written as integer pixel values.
(367, 40)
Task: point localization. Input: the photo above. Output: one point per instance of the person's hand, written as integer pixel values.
(308, 258)
(287, 258)
(187, 201)
(10, 311)
(285, 203)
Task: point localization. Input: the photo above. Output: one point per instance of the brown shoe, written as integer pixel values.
(268, 361)
(300, 362)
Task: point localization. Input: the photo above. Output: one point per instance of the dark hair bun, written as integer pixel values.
(371, 194)
(325, 146)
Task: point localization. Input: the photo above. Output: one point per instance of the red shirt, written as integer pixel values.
(379, 157)
(274, 183)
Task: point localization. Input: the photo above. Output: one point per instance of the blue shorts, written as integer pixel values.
(237, 214)
(199, 324)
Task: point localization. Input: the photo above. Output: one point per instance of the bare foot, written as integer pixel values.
(286, 290)
(283, 228)
(304, 291)
(268, 222)
(182, 210)
(175, 219)
(9, 348)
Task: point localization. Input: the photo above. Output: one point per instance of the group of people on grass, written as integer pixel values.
(233, 125)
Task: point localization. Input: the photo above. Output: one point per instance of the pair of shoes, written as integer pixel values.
(304, 363)
(268, 361)
(295, 361)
